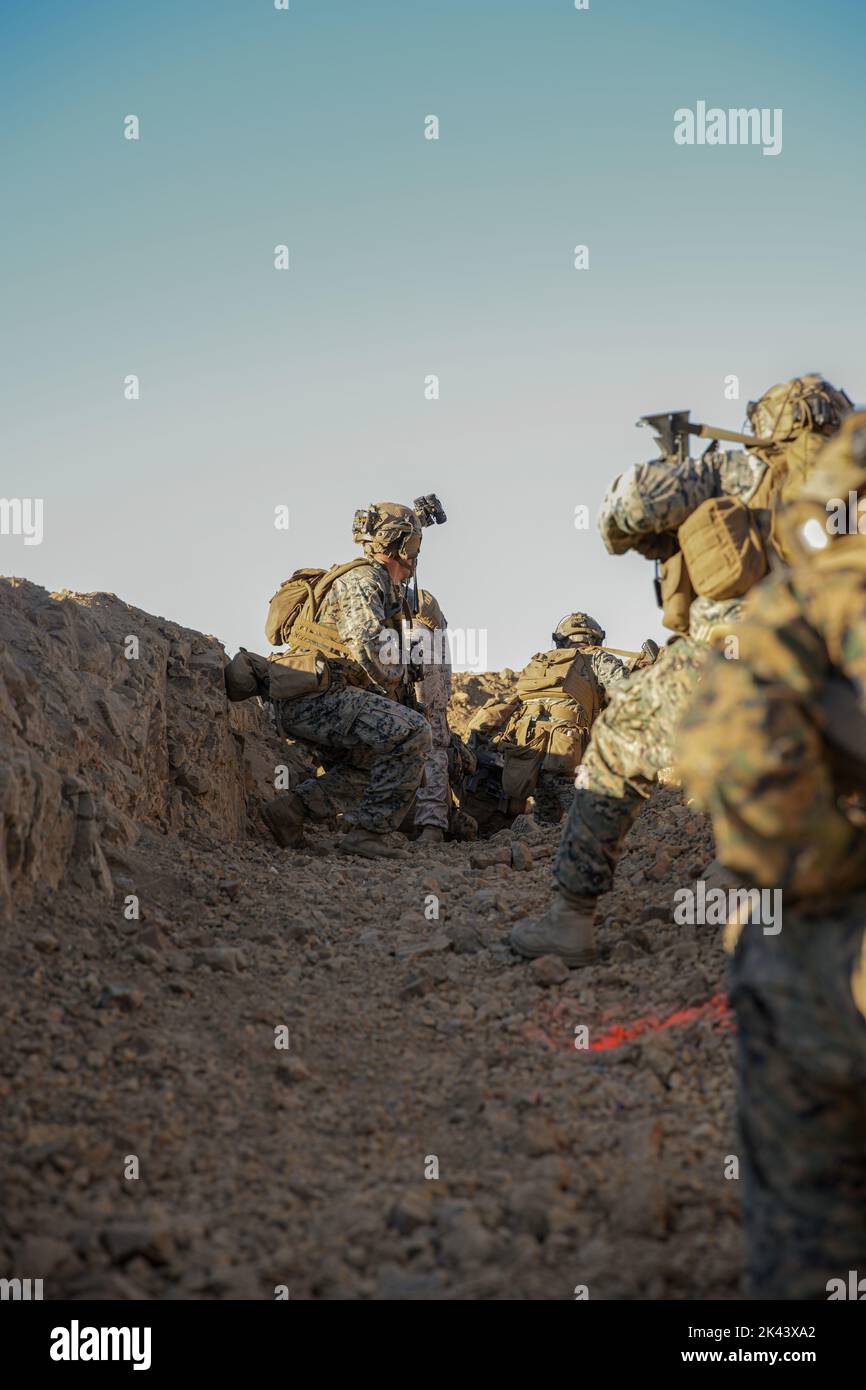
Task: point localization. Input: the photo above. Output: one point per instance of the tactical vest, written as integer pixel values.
(543, 727)
(724, 548)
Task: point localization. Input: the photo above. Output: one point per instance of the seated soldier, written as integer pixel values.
(532, 744)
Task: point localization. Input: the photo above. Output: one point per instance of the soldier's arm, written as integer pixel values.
(608, 670)
(653, 498)
(362, 624)
(750, 748)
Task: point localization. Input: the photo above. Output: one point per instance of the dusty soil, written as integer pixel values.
(407, 1038)
(415, 1041)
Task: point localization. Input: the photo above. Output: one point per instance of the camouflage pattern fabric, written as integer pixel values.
(632, 740)
(553, 797)
(658, 496)
(339, 789)
(771, 784)
(389, 742)
(433, 803)
(433, 692)
(709, 614)
(652, 498)
(607, 669)
(752, 753)
(361, 604)
(801, 1046)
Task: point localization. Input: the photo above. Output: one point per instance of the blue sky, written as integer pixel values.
(408, 257)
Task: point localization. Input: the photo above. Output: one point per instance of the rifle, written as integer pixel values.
(649, 651)
(671, 430)
(486, 780)
(430, 512)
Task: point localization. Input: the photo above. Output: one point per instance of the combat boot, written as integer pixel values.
(373, 844)
(284, 817)
(431, 835)
(566, 930)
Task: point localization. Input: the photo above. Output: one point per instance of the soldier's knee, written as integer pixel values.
(418, 736)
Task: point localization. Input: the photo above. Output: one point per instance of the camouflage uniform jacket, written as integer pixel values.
(751, 746)
(362, 604)
(652, 498)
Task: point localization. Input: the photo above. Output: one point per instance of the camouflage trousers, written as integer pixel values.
(433, 804)
(371, 747)
(553, 797)
(802, 1102)
(631, 741)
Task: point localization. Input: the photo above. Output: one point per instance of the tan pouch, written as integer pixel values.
(293, 674)
(723, 548)
(492, 716)
(677, 593)
(520, 773)
(565, 749)
(247, 675)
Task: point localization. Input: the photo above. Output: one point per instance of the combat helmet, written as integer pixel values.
(388, 528)
(820, 510)
(578, 629)
(805, 403)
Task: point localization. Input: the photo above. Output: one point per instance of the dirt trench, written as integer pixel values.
(303, 1073)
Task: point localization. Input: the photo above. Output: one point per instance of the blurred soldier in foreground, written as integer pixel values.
(772, 746)
(532, 744)
(709, 523)
(338, 685)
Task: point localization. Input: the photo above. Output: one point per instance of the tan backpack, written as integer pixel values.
(722, 548)
(293, 620)
(300, 597)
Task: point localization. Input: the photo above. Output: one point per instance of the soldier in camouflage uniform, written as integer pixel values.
(361, 734)
(433, 691)
(756, 751)
(633, 739)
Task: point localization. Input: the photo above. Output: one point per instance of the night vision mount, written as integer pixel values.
(429, 510)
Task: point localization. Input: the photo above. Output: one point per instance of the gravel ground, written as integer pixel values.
(417, 1044)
